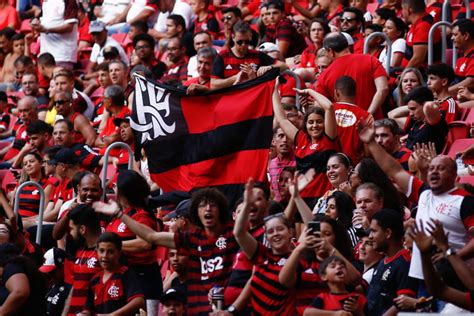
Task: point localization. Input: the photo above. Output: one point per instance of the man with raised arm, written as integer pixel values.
(438, 199)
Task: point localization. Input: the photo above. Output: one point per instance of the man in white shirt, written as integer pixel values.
(98, 31)
(58, 28)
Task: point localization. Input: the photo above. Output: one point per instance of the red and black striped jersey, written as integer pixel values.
(88, 158)
(111, 295)
(268, 296)
(226, 64)
(403, 155)
(29, 199)
(208, 24)
(309, 284)
(118, 227)
(86, 265)
(285, 31)
(176, 72)
(315, 155)
(63, 191)
(210, 264)
(241, 269)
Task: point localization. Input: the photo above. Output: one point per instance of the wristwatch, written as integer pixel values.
(450, 252)
(231, 309)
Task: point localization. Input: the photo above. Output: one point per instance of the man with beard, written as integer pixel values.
(83, 262)
(390, 277)
(177, 64)
(284, 158)
(438, 199)
(352, 21)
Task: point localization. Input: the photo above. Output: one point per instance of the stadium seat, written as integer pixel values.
(120, 37)
(467, 179)
(9, 182)
(457, 130)
(459, 145)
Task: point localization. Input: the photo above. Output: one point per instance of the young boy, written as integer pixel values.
(7, 74)
(114, 290)
(333, 271)
(440, 77)
(205, 21)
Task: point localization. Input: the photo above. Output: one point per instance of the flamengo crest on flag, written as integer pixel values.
(218, 139)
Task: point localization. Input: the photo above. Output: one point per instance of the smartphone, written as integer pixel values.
(315, 227)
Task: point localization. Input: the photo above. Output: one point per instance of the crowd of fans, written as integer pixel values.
(368, 206)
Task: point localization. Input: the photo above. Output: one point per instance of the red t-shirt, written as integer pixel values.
(465, 65)
(364, 69)
(450, 109)
(146, 257)
(347, 116)
(418, 35)
(308, 57)
(358, 43)
(315, 155)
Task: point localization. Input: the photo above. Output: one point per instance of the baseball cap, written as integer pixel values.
(349, 38)
(174, 294)
(182, 210)
(268, 47)
(66, 156)
(119, 120)
(97, 26)
(53, 258)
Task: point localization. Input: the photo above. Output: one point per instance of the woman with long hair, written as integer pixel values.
(315, 143)
(340, 206)
(338, 170)
(29, 196)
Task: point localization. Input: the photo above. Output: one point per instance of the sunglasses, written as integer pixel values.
(347, 19)
(60, 102)
(242, 42)
(227, 18)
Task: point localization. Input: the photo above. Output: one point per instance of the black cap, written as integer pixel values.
(119, 120)
(174, 294)
(65, 156)
(182, 210)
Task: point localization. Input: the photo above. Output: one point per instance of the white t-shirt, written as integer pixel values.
(137, 7)
(110, 9)
(62, 46)
(453, 208)
(97, 55)
(89, 112)
(399, 46)
(180, 8)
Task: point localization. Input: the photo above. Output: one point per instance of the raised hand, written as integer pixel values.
(366, 131)
(435, 228)
(423, 241)
(106, 208)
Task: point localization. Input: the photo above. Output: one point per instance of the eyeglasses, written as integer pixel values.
(227, 18)
(142, 47)
(269, 217)
(60, 102)
(347, 19)
(242, 42)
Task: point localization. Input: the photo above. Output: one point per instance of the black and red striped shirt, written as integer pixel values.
(118, 227)
(29, 199)
(111, 295)
(268, 295)
(286, 32)
(208, 24)
(210, 264)
(226, 64)
(86, 265)
(88, 158)
(309, 284)
(403, 155)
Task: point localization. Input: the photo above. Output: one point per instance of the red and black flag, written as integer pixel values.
(219, 139)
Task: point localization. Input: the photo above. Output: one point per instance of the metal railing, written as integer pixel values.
(106, 164)
(298, 86)
(431, 44)
(388, 45)
(16, 206)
